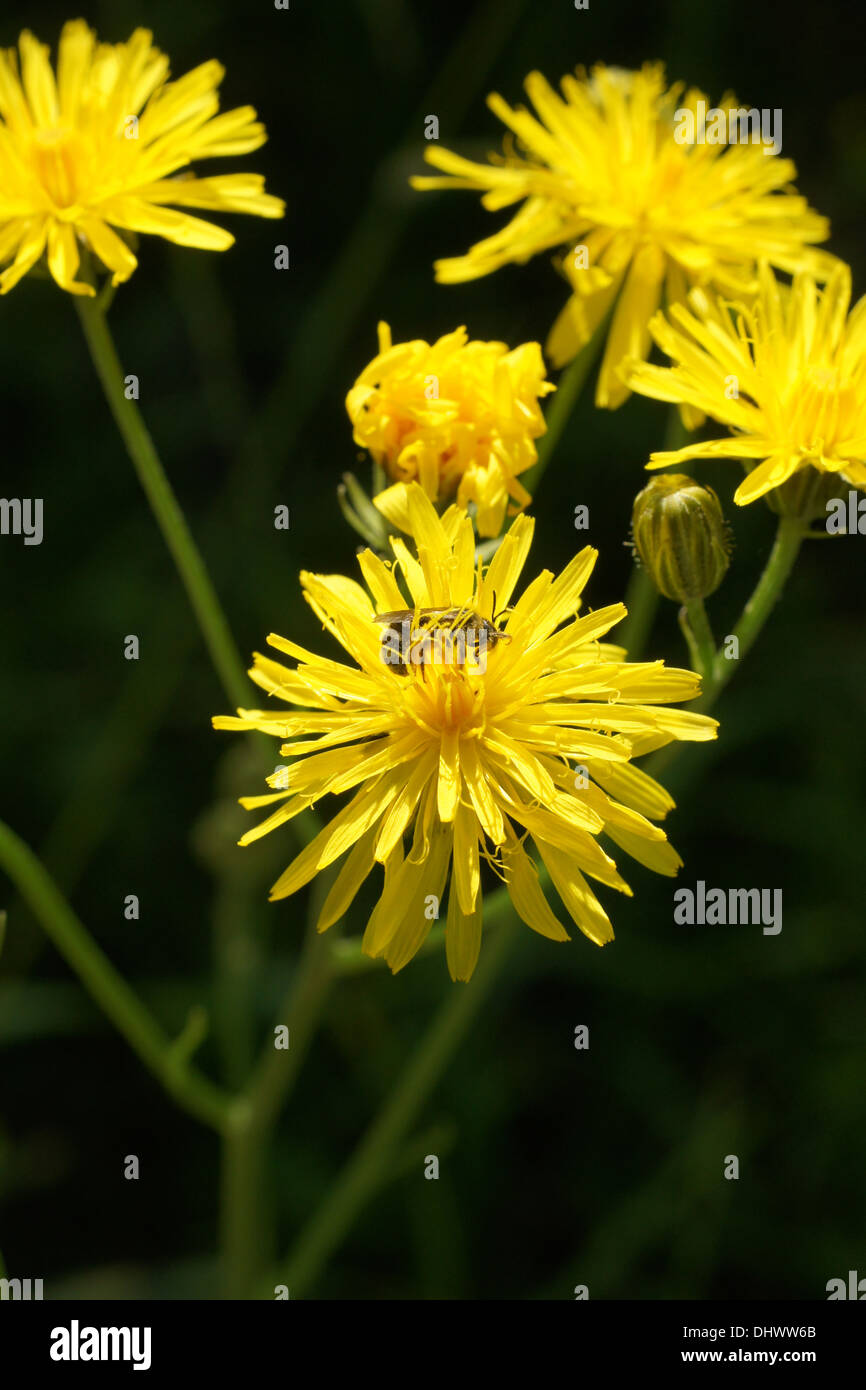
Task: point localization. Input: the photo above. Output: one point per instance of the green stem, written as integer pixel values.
(699, 636)
(242, 1224)
(568, 389)
(789, 538)
(236, 965)
(277, 1070)
(372, 1161)
(245, 1227)
(118, 1002)
(642, 601)
(172, 523)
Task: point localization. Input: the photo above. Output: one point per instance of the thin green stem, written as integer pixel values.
(783, 556)
(172, 523)
(168, 1062)
(696, 629)
(568, 390)
(372, 1161)
(245, 1227)
(789, 537)
(277, 1070)
(642, 601)
(236, 961)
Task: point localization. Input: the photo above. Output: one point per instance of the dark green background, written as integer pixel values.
(558, 1167)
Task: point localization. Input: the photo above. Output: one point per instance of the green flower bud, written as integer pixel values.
(361, 514)
(681, 537)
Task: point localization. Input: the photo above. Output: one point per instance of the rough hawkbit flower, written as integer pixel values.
(459, 417)
(785, 372)
(451, 763)
(642, 217)
(107, 142)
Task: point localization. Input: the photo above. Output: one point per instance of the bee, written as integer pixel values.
(449, 636)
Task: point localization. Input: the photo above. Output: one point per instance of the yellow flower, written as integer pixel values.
(466, 759)
(108, 142)
(601, 172)
(456, 416)
(786, 373)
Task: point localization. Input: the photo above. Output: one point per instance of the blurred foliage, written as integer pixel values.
(562, 1167)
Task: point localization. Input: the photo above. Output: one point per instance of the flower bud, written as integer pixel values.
(681, 537)
(361, 514)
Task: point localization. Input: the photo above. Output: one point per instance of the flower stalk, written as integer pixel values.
(369, 1166)
(168, 1059)
(696, 629)
(789, 537)
(170, 518)
(568, 392)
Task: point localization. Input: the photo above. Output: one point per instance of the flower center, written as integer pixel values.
(446, 698)
(57, 158)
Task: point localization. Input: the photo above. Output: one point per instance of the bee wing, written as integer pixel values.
(400, 614)
(397, 616)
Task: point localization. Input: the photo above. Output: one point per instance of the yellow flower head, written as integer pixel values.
(448, 763)
(456, 416)
(786, 373)
(601, 172)
(108, 142)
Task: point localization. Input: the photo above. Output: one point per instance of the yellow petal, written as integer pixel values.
(449, 774)
(30, 248)
(466, 872)
(462, 937)
(525, 892)
(629, 332)
(111, 249)
(577, 896)
(339, 835)
(63, 259)
(352, 875)
(136, 215)
(37, 78)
